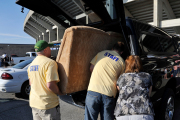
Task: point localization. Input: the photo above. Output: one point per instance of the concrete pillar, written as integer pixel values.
(59, 29)
(46, 37)
(60, 33)
(51, 35)
(157, 15)
(41, 37)
(87, 19)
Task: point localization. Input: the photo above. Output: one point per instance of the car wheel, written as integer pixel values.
(167, 106)
(25, 90)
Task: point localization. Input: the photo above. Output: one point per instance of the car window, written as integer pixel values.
(23, 64)
(151, 43)
(33, 54)
(151, 39)
(27, 54)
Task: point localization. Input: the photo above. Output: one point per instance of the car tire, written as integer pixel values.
(167, 105)
(25, 90)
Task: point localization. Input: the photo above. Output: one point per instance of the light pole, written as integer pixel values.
(8, 55)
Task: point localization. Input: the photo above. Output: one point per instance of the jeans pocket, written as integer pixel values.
(110, 101)
(92, 98)
(92, 95)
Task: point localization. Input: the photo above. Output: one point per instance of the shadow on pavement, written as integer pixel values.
(2, 100)
(19, 95)
(15, 110)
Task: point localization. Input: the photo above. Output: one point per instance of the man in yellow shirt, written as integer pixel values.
(106, 67)
(43, 78)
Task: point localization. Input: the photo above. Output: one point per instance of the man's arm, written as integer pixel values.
(117, 87)
(53, 87)
(91, 67)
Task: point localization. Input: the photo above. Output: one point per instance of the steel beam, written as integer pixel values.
(53, 21)
(98, 7)
(170, 14)
(47, 9)
(119, 7)
(42, 22)
(34, 29)
(30, 34)
(43, 30)
(127, 1)
(168, 23)
(127, 13)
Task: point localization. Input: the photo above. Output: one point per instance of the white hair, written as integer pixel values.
(40, 52)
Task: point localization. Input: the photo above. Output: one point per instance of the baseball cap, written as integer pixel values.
(41, 45)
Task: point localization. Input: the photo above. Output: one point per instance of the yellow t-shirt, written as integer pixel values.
(41, 71)
(108, 66)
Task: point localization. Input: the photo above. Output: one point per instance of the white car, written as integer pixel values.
(29, 55)
(15, 79)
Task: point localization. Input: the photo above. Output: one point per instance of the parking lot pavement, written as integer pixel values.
(20, 110)
(15, 110)
(12, 108)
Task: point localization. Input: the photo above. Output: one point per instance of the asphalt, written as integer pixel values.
(13, 108)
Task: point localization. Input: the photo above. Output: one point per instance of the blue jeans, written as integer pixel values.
(175, 72)
(95, 103)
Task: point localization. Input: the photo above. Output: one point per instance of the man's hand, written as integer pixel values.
(53, 87)
(118, 88)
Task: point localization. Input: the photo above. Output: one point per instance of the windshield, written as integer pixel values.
(23, 64)
(27, 55)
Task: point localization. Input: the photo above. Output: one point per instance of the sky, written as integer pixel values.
(11, 24)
